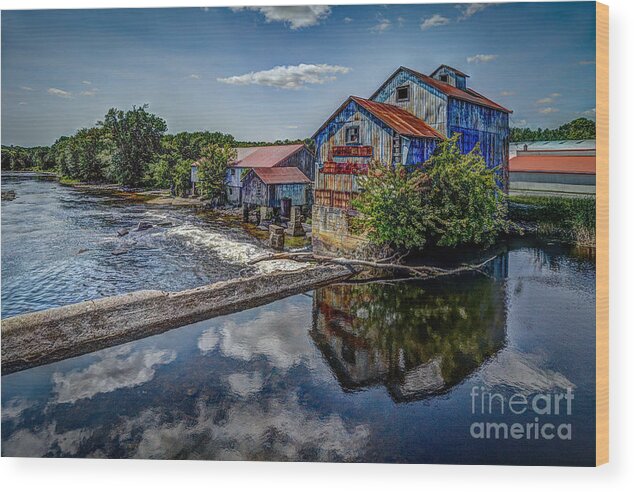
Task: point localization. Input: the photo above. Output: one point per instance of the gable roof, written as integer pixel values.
(554, 164)
(280, 175)
(468, 95)
(401, 121)
(455, 70)
(267, 156)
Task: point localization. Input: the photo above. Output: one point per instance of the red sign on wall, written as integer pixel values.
(352, 151)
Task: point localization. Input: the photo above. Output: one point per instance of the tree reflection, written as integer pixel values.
(415, 338)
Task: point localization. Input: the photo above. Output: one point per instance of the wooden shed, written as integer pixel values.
(276, 187)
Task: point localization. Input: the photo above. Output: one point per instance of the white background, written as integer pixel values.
(113, 476)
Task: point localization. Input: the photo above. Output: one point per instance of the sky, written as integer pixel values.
(267, 73)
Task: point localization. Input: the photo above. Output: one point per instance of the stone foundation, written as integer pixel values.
(332, 235)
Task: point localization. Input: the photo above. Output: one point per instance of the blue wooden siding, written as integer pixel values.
(417, 150)
(372, 131)
(453, 78)
(487, 126)
(255, 192)
(425, 101)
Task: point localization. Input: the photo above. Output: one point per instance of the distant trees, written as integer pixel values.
(136, 138)
(579, 129)
(454, 199)
(132, 148)
(212, 170)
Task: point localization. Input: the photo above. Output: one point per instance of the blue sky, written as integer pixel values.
(267, 73)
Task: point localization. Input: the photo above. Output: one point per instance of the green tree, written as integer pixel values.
(136, 138)
(453, 200)
(212, 171)
(468, 206)
(393, 206)
(578, 129)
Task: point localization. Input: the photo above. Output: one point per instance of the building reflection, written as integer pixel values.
(416, 338)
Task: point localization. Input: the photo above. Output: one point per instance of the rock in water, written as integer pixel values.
(8, 195)
(118, 252)
(122, 232)
(144, 226)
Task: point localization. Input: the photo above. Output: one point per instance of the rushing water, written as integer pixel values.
(349, 372)
(58, 244)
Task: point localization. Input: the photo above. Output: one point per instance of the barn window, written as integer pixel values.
(402, 93)
(352, 135)
(444, 78)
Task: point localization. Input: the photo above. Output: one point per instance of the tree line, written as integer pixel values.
(579, 129)
(132, 148)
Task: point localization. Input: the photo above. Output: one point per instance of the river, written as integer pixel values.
(381, 372)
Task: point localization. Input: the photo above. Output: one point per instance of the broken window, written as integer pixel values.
(444, 78)
(402, 93)
(352, 135)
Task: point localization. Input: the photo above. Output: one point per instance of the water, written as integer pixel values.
(379, 372)
(58, 244)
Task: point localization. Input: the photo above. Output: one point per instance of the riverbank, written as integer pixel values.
(572, 220)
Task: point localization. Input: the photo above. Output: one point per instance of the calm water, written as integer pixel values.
(373, 372)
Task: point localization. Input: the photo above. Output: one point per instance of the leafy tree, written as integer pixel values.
(136, 137)
(91, 154)
(454, 200)
(212, 170)
(578, 129)
(393, 206)
(467, 203)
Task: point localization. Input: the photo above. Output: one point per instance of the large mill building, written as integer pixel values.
(402, 122)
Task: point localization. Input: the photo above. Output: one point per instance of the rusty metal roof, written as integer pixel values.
(455, 70)
(281, 175)
(398, 119)
(268, 156)
(401, 121)
(554, 164)
(449, 90)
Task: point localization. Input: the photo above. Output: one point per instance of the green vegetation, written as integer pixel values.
(212, 170)
(131, 148)
(454, 200)
(571, 219)
(579, 129)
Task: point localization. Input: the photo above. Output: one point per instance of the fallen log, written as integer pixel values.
(423, 271)
(43, 337)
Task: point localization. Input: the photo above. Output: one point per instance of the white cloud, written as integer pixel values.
(590, 112)
(471, 9)
(244, 385)
(27, 88)
(194, 76)
(434, 21)
(548, 110)
(117, 368)
(86, 82)
(550, 99)
(59, 92)
(296, 17)
(382, 25)
(22, 103)
(89, 92)
(348, 20)
(288, 76)
(519, 123)
(208, 340)
(481, 58)
(401, 21)
(507, 93)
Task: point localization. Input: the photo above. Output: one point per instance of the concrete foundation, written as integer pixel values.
(332, 235)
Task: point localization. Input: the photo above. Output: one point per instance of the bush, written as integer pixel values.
(453, 200)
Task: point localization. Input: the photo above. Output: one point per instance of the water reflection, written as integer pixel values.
(417, 339)
(373, 372)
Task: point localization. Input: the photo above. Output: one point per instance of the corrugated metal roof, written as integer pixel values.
(281, 175)
(268, 156)
(398, 119)
(449, 90)
(555, 164)
(590, 144)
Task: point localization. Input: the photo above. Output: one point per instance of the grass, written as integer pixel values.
(570, 219)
